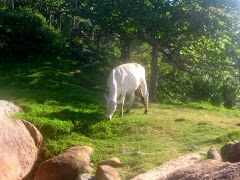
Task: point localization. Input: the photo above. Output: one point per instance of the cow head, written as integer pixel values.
(111, 106)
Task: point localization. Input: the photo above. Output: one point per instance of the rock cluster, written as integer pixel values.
(20, 144)
(67, 165)
(192, 167)
(24, 141)
(73, 164)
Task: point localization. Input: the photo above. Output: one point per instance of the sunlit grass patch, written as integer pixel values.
(68, 114)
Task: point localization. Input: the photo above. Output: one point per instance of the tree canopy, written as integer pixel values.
(189, 39)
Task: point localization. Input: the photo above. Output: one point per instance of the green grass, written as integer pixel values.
(67, 113)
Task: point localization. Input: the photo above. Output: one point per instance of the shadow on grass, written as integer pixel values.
(90, 124)
(82, 121)
(56, 124)
(191, 105)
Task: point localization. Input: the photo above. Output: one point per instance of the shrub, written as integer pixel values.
(24, 33)
(217, 89)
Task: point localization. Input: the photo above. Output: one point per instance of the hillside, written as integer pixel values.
(64, 100)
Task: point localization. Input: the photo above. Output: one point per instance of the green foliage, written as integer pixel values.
(217, 88)
(26, 34)
(206, 90)
(199, 45)
(101, 130)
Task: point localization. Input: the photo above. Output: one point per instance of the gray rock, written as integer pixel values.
(225, 151)
(203, 153)
(126, 150)
(139, 153)
(234, 153)
(214, 153)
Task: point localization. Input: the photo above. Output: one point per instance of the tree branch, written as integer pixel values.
(150, 40)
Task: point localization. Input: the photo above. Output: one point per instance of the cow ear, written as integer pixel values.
(105, 95)
(120, 101)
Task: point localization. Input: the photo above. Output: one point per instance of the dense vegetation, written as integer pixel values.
(55, 57)
(190, 48)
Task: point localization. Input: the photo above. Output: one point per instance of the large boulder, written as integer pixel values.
(225, 151)
(194, 172)
(231, 152)
(226, 171)
(206, 170)
(20, 143)
(105, 172)
(68, 165)
(169, 167)
(190, 167)
(8, 108)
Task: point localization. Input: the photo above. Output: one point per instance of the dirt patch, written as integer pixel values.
(180, 120)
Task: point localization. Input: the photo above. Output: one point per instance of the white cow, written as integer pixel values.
(126, 79)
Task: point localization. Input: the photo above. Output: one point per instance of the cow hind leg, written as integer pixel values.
(144, 100)
(144, 95)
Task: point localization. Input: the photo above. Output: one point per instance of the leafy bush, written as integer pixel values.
(24, 33)
(217, 89)
(207, 90)
(230, 95)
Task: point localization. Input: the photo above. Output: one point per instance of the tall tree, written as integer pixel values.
(166, 25)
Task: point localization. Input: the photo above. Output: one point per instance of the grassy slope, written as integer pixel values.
(67, 114)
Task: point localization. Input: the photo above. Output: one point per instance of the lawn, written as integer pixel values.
(69, 112)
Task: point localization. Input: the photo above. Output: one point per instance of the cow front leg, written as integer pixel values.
(132, 97)
(121, 107)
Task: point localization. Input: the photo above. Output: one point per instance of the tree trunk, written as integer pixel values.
(125, 48)
(70, 28)
(155, 43)
(51, 19)
(12, 4)
(154, 74)
(98, 38)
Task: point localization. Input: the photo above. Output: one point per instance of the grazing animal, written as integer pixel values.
(126, 79)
